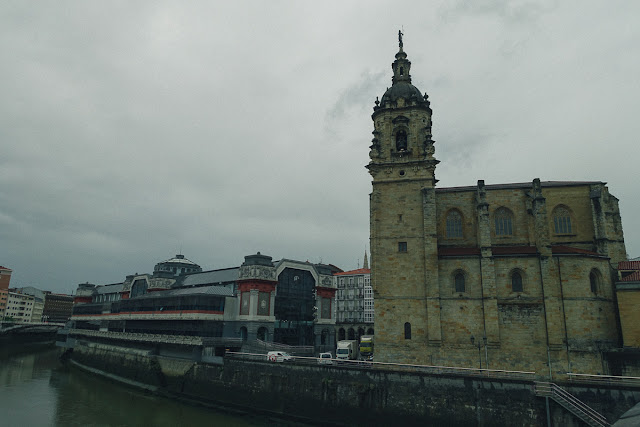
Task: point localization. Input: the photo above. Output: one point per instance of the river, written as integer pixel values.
(37, 390)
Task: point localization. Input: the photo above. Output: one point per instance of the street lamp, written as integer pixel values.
(486, 352)
(479, 345)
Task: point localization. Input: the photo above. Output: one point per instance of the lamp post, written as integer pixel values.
(486, 352)
(479, 345)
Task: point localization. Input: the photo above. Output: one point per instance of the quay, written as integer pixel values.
(350, 393)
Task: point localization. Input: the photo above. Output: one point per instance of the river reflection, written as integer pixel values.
(36, 390)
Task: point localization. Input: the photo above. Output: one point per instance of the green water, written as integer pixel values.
(37, 390)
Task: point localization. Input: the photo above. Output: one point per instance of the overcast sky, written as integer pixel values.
(133, 131)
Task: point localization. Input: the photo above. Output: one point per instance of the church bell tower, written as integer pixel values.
(404, 256)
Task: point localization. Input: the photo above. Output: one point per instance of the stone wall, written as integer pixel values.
(628, 302)
(557, 323)
(333, 395)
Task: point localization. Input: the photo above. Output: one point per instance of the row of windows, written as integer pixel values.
(516, 281)
(350, 283)
(350, 316)
(503, 223)
(342, 295)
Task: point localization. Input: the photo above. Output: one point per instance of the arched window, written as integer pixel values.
(262, 333)
(351, 334)
(243, 333)
(341, 334)
(370, 331)
(454, 224)
(459, 282)
(401, 140)
(516, 282)
(595, 279)
(562, 220)
(324, 337)
(407, 331)
(503, 221)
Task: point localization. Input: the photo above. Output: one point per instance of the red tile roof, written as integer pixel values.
(352, 272)
(5, 268)
(629, 265)
(633, 277)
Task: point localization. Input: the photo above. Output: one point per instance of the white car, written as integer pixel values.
(325, 359)
(279, 356)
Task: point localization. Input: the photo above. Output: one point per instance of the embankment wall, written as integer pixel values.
(346, 396)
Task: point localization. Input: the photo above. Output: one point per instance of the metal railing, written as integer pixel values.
(282, 347)
(604, 379)
(142, 337)
(428, 369)
(570, 403)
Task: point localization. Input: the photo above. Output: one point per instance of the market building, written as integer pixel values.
(286, 301)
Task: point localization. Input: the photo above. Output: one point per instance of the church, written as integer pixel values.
(515, 276)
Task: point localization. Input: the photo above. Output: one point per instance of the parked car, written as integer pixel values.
(325, 359)
(279, 356)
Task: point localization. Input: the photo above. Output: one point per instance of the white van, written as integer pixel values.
(279, 356)
(325, 359)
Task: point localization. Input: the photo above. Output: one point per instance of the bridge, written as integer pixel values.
(6, 327)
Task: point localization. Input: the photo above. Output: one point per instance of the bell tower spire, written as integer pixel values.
(401, 65)
(403, 217)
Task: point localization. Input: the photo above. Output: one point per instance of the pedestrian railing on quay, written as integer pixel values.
(435, 370)
(456, 370)
(604, 379)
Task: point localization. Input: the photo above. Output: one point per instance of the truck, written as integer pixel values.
(347, 350)
(366, 347)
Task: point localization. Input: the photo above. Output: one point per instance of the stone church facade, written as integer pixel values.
(515, 276)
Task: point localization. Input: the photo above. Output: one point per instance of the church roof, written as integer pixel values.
(517, 185)
(401, 90)
(401, 84)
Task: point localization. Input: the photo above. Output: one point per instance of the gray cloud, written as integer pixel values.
(130, 131)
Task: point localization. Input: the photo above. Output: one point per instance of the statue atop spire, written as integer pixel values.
(400, 34)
